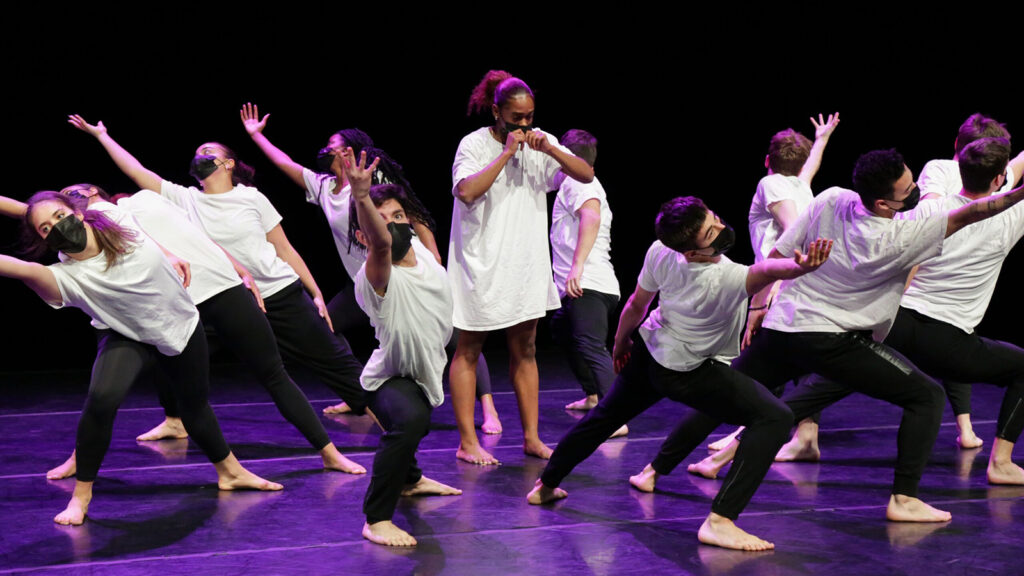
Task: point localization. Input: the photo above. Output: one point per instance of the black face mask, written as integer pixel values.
(910, 202)
(324, 159)
(202, 166)
(724, 241)
(68, 235)
(509, 128)
(401, 240)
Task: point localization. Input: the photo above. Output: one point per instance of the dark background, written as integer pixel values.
(682, 105)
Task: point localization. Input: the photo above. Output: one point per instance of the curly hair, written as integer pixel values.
(875, 173)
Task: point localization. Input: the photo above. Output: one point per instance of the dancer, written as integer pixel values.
(330, 190)
(792, 162)
(241, 220)
(498, 259)
(948, 295)
(219, 289)
(823, 324)
(941, 178)
(682, 353)
(119, 277)
(581, 224)
(406, 294)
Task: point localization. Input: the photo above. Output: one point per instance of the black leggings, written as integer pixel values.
(947, 352)
(244, 331)
(119, 361)
(304, 338)
(716, 392)
(581, 328)
(404, 412)
(851, 362)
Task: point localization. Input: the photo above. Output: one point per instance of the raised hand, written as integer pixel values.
(80, 123)
(824, 128)
(538, 140)
(817, 253)
(250, 114)
(359, 174)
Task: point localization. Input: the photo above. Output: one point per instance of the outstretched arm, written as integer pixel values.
(822, 132)
(378, 239)
(633, 314)
(254, 125)
(286, 252)
(12, 208)
(132, 168)
(36, 276)
(590, 223)
(765, 272)
(573, 166)
(981, 209)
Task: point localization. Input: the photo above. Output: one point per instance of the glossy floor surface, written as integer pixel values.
(157, 508)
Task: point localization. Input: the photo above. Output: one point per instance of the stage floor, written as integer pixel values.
(157, 508)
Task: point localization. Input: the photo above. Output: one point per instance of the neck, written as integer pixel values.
(217, 184)
(974, 195)
(496, 133)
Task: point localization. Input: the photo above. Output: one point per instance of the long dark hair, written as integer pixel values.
(113, 239)
(381, 193)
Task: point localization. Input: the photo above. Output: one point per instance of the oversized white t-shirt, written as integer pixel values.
(238, 220)
(956, 287)
(169, 225)
(773, 188)
(598, 273)
(860, 285)
(413, 322)
(942, 177)
(701, 308)
(139, 297)
(498, 260)
(320, 190)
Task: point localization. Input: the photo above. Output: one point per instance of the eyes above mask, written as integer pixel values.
(725, 240)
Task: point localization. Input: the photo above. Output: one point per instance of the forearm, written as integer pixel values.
(573, 166)
(36, 276)
(762, 275)
(12, 208)
(813, 162)
(378, 244)
(590, 223)
(132, 168)
(472, 187)
(283, 162)
(632, 315)
(981, 209)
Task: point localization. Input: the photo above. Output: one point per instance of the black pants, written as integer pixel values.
(119, 361)
(716, 391)
(303, 337)
(852, 362)
(580, 326)
(947, 352)
(244, 331)
(404, 412)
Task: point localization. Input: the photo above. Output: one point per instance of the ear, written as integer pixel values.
(361, 238)
(766, 162)
(93, 191)
(495, 111)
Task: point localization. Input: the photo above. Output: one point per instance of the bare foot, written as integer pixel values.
(907, 509)
(340, 408)
(583, 404)
(334, 460)
(719, 444)
(74, 513)
(966, 438)
(721, 531)
(169, 428)
(1005, 473)
(492, 424)
(803, 447)
(713, 464)
(620, 432)
(541, 494)
(537, 449)
(231, 475)
(476, 455)
(65, 470)
(645, 480)
(428, 487)
(387, 534)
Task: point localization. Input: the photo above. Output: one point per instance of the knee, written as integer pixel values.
(523, 348)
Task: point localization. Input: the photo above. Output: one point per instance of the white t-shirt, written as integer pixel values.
(598, 273)
(701, 309)
(238, 220)
(413, 322)
(212, 272)
(773, 188)
(498, 260)
(320, 191)
(942, 177)
(859, 286)
(957, 286)
(139, 297)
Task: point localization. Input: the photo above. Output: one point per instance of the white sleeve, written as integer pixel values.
(369, 301)
(316, 185)
(795, 236)
(579, 193)
(775, 190)
(269, 216)
(650, 277)
(933, 179)
(177, 194)
(551, 166)
(468, 161)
